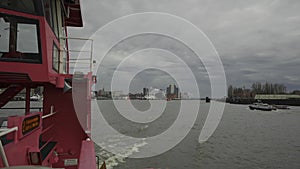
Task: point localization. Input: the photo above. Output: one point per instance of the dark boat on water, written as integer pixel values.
(207, 99)
(261, 106)
(281, 107)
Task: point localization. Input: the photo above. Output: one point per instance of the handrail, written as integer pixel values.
(20, 108)
(2, 152)
(52, 112)
(89, 58)
(48, 115)
(7, 131)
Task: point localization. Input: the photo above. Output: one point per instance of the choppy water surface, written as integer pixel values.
(243, 139)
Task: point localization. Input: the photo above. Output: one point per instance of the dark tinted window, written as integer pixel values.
(19, 39)
(48, 12)
(27, 6)
(55, 58)
(51, 15)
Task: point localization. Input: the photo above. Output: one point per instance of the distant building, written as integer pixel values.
(136, 96)
(185, 95)
(279, 99)
(297, 92)
(155, 93)
(145, 92)
(276, 96)
(102, 94)
(172, 92)
(117, 94)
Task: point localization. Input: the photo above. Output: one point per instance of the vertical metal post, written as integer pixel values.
(13, 36)
(3, 155)
(68, 54)
(97, 161)
(27, 108)
(92, 48)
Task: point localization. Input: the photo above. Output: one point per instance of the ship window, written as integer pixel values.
(55, 58)
(50, 8)
(63, 43)
(19, 39)
(48, 12)
(28, 6)
(55, 20)
(4, 35)
(27, 41)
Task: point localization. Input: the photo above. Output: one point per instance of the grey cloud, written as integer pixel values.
(257, 40)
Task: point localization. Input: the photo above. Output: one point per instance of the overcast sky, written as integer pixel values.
(257, 40)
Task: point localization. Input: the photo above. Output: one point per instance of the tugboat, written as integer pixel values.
(34, 52)
(285, 107)
(261, 106)
(207, 99)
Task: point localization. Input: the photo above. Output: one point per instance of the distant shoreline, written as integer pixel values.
(288, 102)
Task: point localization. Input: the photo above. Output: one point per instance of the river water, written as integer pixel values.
(244, 139)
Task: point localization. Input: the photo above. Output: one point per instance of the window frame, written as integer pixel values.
(20, 19)
(38, 8)
(54, 25)
(58, 57)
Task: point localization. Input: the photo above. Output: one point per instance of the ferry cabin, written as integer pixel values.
(34, 53)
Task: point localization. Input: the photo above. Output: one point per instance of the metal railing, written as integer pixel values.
(81, 60)
(21, 108)
(4, 132)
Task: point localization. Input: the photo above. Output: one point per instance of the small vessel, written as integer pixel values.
(281, 106)
(35, 98)
(207, 99)
(261, 106)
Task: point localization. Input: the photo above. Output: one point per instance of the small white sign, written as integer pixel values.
(71, 162)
